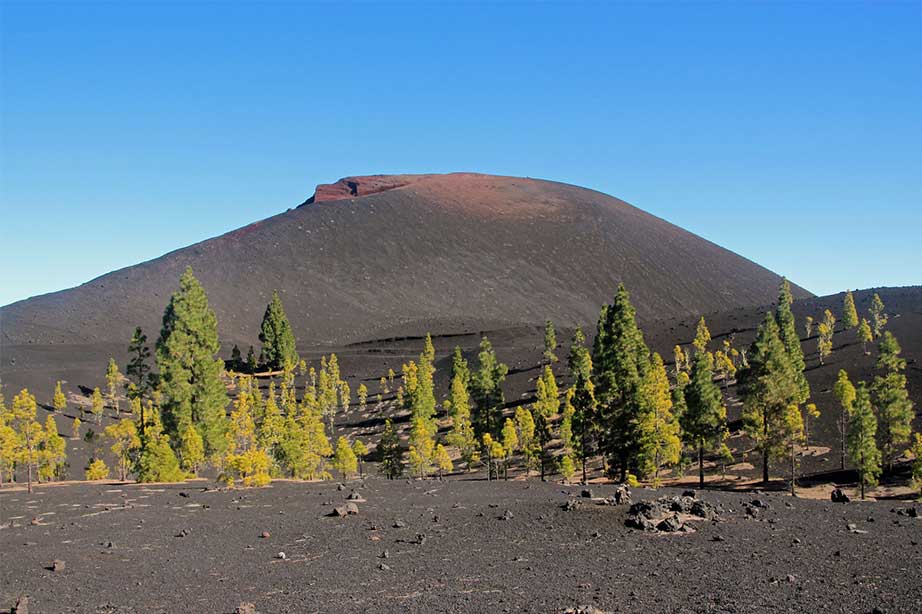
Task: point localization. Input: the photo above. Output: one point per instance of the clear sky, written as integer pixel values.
(791, 134)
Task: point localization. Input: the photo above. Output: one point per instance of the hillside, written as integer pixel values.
(372, 257)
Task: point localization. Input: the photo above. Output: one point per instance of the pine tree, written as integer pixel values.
(157, 461)
(344, 460)
(724, 367)
(97, 470)
(844, 392)
(826, 329)
(462, 434)
(75, 428)
(60, 401)
(702, 415)
(550, 342)
(191, 450)
(582, 403)
(52, 452)
(659, 430)
(862, 447)
(808, 327)
(190, 373)
(849, 313)
(487, 389)
(787, 330)
(125, 444)
(525, 426)
(865, 335)
(510, 443)
(579, 358)
(459, 366)
(389, 451)
(546, 404)
(96, 404)
(620, 357)
(360, 450)
(236, 360)
(422, 447)
(9, 441)
(878, 316)
(702, 336)
(138, 369)
(245, 460)
(566, 468)
(276, 336)
(252, 363)
(29, 433)
(443, 460)
(810, 411)
(363, 398)
(113, 378)
(793, 433)
(680, 359)
(891, 398)
(769, 386)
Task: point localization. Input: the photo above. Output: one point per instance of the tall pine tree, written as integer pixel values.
(769, 387)
(276, 336)
(791, 340)
(892, 399)
(701, 410)
(192, 392)
(862, 445)
(849, 313)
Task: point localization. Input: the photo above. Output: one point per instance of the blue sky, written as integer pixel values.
(789, 133)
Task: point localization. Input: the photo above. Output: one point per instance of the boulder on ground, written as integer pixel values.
(246, 608)
(670, 524)
(622, 495)
(586, 493)
(839, 496)
(57, 565)
(21, 607)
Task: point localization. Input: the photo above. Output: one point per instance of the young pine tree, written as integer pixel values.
(113, 378)
(824, 342)
(360, 450)
(390, 453)
(29, 433)
(892, 398)
(787, 330)
(547, 403)
(862, 446)
(769, 387)
(276, 336)
(60, 401)
(660, 445)
(865, 335)
(702, 336)
(793, 436)
(878, 316)
(443, 460)
(510, 444)
(704, 417)
(97, 406)
(487, 388)
(138, 369)
(849, 313)
(52, 452)
(844, 392)
(915, 451)
(191, 450)
(344, 460)
(808, 327)
(462, 435)
(550, 342)
(422, 447)
(125, 444)
(192, 391)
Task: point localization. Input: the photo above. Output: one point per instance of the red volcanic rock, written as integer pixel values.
(352, 187)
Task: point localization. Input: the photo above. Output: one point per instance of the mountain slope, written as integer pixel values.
(369, 257)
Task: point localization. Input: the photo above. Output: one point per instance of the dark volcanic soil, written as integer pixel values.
(129, 548)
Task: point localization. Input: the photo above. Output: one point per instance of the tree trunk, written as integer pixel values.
(29, 473)
(701, 464)
(765, 466)
(584, 470)
(793, 470)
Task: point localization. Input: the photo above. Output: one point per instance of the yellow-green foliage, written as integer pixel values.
(53, 452)
(566, 467)
(422, 448)
(245, 461)
(702, 336)
(125, 442)
(96, 404)
(113, 377)
(657, 426)
(916, 452)
(60, 401)
(191, 449)
(29, 434)
(443, 460)
(344, 459)
(97, 470)
(75, 428)
(157, 461)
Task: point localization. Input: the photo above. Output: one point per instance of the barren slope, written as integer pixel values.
(370, 257)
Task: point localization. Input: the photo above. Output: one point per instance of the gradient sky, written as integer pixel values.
(791, 134)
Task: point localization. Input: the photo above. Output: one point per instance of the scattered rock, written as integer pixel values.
(570, 505)
(281, 556)
(21, 607)
(246, 608)
(184, 533)
(622, 495)
(35, 522)
(341, 511)
(507, 515)
(718, 538)
(384, 555)
(384, 567)
(354, 496)
(839, 496)
(670, 524)
(759, 503)
(791, 579)
(911, 512)
(689, 493)
(584, 609)
(399, 524)
(57, 565)
(586, 493)
(183, 493)
(265, 535)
